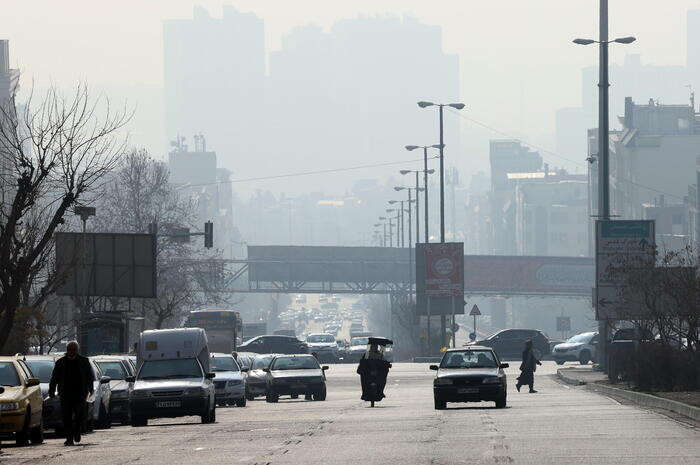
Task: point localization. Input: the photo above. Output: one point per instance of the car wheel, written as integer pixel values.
(212, 415)
(241, 402)
(559, 362)
(584, 357)
(137, 421)
(501, 403)
(103, 420)
(36, 434)
(22, 437)
(271, 397)
(320, 395)
(439, 403)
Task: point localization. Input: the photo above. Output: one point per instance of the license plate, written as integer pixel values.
(168, 404)
(469, 390)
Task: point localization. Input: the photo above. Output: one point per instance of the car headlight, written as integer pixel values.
(193, 392)
(123, 394)
(492, 380)
(9, 406)
(234, 382)
(443, 381)
(141, 393)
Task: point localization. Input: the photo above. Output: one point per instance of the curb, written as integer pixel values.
(645, 400)
(570, 380)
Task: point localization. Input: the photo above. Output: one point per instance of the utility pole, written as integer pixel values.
(425, 184)
(417, 210)
(442, 181)
(403, 228)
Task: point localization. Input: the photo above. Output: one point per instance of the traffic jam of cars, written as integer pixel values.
(174, 374)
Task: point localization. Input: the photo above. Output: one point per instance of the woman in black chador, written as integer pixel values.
(527, 368)
(373, 370)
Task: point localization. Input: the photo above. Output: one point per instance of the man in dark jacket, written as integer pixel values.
(527, 368)
(74, 378)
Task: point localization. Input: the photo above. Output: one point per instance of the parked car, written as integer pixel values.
(118, 368)
(230, 380)
(41, 367)
(97, 415)
(274, 344)
(471, 374)
(510, 343)
(295, 375)
(256, 384)
(580, 348)
(20, 402)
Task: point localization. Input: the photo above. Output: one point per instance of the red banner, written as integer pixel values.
(444, 269)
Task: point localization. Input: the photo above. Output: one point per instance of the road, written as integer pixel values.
(558, 425)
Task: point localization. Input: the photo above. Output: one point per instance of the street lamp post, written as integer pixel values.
(410, 234)
(441, 106)
(425, 172)
(603, 144)
(416, 189)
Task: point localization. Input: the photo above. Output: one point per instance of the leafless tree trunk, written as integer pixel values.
(53, 156)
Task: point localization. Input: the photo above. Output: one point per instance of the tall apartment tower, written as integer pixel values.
(693, 50)
(9, 78)
(214, 74)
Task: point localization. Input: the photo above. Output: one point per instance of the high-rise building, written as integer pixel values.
(693, 50)
(214, 74)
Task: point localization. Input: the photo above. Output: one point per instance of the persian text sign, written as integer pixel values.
(444, 269)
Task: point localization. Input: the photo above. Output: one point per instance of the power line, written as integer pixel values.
(307, 173)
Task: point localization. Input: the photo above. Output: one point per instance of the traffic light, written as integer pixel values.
(208, 234)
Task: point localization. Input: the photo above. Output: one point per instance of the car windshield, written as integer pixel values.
(294, 363)
(113, 369)
(261, 362)
(469, 359)
(8, 374)
(170, 369)
(359, 341)
(224, 364)
(583, 338)
(41, 369)
(320, 338)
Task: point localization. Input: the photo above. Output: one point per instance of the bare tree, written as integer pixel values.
(53, 156)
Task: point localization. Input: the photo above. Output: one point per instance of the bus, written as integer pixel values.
(221, 325)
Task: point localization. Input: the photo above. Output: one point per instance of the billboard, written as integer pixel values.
(440, 278)
(617, 241)
(106, 264)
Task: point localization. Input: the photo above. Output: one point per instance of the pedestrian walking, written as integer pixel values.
(73, 376)
(527, 368)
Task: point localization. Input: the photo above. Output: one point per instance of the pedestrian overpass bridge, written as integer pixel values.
(387, 270)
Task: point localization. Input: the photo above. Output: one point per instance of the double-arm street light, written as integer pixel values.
(382, 237)
(398, 214)
(603, 142)
(425, 172)
(441, 106)
(400, 227)
(410, 235)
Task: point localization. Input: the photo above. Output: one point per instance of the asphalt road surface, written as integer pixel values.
(558, 425)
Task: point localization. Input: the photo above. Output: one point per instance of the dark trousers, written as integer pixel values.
(73, 412)
(527, 378)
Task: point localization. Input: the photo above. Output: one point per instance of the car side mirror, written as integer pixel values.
(434, 367)
(210, 375)
(324, 367)
(245, 369)
(32, 382)
(105, 380)
(130, 379)
(504, 365)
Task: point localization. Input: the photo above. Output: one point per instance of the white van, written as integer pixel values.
(174, 378)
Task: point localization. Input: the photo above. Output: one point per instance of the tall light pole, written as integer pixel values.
(426, 172)
(398, 215)
(401, 227)
(441, 106)
(603, 144)
(416, 189)
(385, 219)
(410, 235)
(376, 231)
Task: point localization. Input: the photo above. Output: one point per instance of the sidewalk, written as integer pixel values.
(597, 381)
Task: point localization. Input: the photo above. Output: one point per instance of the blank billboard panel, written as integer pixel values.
(106, 264)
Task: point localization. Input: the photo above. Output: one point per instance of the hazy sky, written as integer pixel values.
(517, 61)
